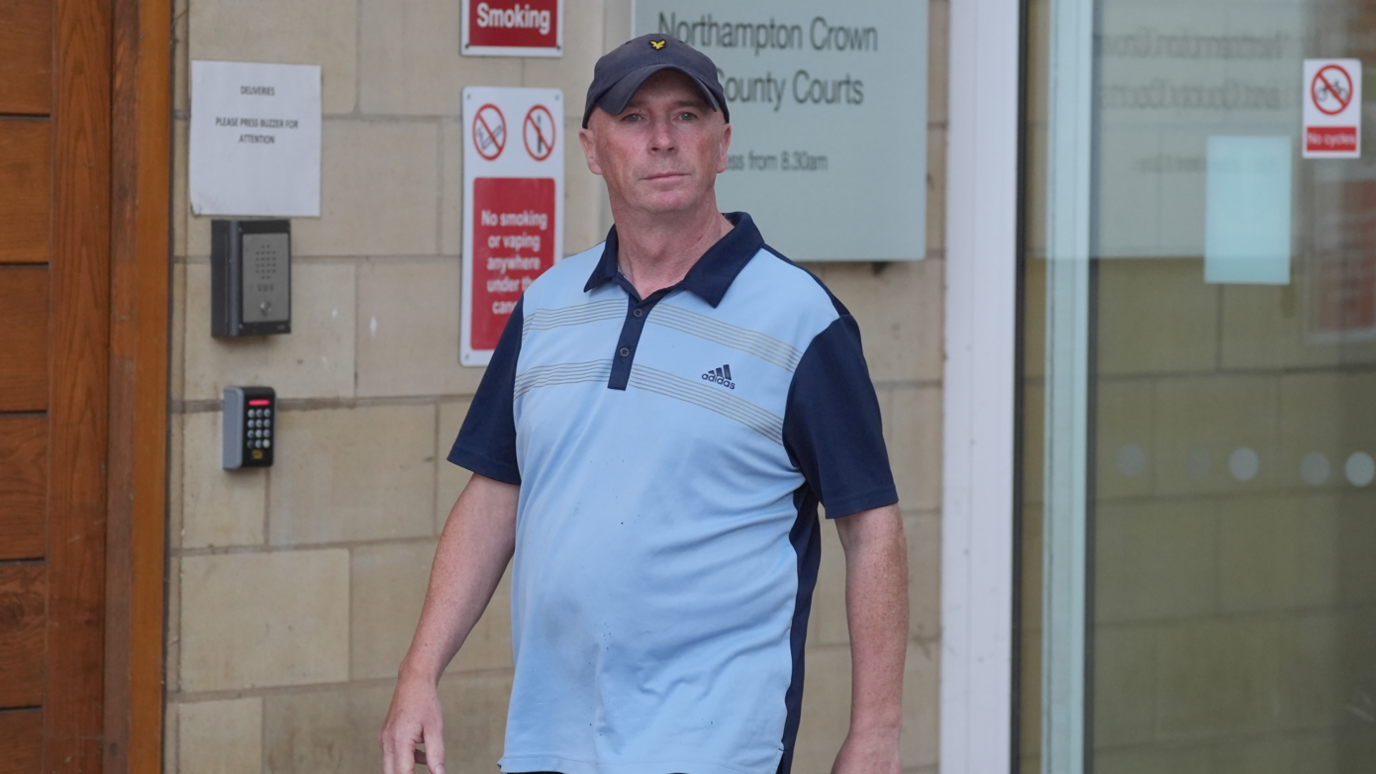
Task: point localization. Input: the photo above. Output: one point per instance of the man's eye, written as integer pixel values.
(633, 117)
(688, 116)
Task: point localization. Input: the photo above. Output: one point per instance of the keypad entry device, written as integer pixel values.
(250, 427)
(250, 267)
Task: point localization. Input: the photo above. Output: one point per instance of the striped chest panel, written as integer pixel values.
(732, 363)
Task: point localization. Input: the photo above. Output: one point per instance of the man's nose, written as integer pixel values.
(662, 136)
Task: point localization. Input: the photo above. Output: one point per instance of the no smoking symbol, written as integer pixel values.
(489, 131)
(538, 132)
(1331, 90)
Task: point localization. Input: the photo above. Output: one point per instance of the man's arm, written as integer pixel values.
(473, 552)
(877, 614)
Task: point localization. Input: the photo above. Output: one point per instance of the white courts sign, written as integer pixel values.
(828, 109)
(513, 205)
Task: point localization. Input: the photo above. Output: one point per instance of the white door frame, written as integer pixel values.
(981, 323)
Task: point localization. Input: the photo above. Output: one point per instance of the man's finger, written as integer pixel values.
(434, 746)
(401, 759)
(387, 767)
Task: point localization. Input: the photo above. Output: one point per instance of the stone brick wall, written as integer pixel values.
(294, 591)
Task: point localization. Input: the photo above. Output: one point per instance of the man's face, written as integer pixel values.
(663, 153)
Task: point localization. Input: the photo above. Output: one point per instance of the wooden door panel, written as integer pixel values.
(23, 485)
(22, 620)
(26, 56)
(24, 345)
(21, 741)
(25, 186)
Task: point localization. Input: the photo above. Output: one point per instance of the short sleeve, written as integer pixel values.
(486, 443)
(832, 427)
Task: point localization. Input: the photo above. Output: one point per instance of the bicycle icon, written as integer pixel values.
(1331, 90)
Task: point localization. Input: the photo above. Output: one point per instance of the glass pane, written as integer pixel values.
(1229, 433)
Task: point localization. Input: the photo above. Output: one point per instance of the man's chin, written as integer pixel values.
(668, 203)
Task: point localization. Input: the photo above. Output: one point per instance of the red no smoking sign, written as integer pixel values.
(512, 27)
(513, 219)
(1332, 108)
(489, 132)
(513, 243)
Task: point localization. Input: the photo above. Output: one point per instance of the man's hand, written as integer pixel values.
(414, 718)
(875, 754)
(877, 614)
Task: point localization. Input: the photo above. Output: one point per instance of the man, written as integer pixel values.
(651, 440)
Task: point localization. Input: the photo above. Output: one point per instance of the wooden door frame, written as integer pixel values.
(140, 299)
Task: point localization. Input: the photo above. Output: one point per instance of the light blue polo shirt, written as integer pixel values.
(671, 453)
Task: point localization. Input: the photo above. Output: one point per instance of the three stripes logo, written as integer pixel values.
(720, 375)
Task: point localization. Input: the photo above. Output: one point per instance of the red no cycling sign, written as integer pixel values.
(1332, 100)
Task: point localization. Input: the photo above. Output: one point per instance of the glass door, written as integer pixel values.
(1197, 521)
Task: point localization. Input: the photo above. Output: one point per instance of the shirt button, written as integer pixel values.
(625, 351)
(638, 312)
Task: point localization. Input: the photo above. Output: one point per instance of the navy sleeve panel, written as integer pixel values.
(487, 441)
(832, 428)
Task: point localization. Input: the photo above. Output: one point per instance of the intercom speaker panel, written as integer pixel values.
(250, 266)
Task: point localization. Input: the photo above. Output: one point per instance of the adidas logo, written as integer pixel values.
(720, 375)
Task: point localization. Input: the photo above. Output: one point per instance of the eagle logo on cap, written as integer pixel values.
(657, 44)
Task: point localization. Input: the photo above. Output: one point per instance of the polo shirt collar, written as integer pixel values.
(714, 272)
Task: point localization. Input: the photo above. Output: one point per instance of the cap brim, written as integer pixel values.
(615, 99)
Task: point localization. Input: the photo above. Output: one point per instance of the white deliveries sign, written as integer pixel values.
(513, 205)
(255, 139)
(828, 109)
(1332, 102)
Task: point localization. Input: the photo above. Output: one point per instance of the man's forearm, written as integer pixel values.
(474, 550)
(877, 614)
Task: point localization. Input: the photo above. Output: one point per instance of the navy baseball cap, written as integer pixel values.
(620, 73)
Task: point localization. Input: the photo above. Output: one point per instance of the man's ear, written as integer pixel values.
(725, 146)
(588, 139)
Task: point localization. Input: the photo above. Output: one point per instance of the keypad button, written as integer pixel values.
(267, 444)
